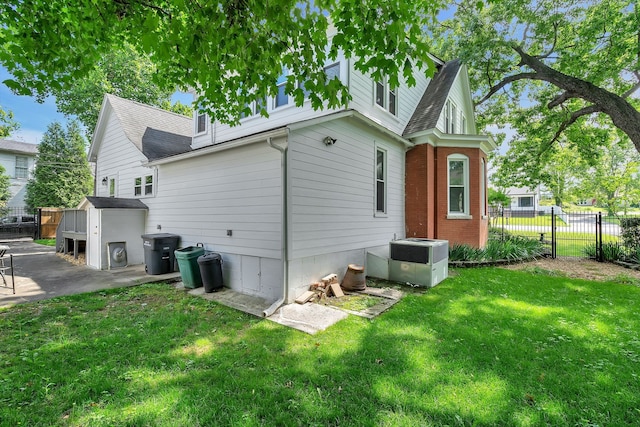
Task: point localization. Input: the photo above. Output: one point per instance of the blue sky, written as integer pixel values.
(34, 117)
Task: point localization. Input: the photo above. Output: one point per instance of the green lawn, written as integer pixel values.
(485, 347)
(537, 221)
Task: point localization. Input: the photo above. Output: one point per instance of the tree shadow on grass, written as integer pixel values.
(484, 348)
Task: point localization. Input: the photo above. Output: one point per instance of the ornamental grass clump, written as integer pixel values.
(511, 248)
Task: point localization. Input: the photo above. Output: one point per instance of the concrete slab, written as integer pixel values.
(246, 303)
(41, 274)
(310, 318)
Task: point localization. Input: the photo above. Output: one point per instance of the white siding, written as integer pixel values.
(332, 195)
(238, 190)
(118, 158)
(281, 116)
(461, 97)
(363, 100)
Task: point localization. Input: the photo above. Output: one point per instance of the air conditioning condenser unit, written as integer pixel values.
(422, 262)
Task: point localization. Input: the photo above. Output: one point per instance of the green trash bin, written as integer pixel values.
(188, 264)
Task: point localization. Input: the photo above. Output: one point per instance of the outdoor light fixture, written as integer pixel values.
(329, 141)
(104, 181)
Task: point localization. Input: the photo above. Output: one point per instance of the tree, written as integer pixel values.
(232, 52)
(62, 176)
(560, 169)
(7, 124)
(122, 72)
(613, 179)
(5, 194)
(564, 61)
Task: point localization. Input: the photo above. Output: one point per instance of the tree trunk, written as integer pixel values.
(623, 115)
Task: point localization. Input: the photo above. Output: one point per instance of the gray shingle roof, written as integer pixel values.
(18, 147)
(115, 203)
(153, 131)
(430, 106)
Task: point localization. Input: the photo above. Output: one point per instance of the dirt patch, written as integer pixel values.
(580, 268)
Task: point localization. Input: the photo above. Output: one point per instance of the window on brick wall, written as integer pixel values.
(458, 185)
(483, 187)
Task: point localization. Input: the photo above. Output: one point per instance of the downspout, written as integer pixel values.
(285, 235)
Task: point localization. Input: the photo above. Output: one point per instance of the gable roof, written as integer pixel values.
(18, 147)
(153, 131)
(430, 106)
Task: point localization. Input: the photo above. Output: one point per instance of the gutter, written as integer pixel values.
(285, 228)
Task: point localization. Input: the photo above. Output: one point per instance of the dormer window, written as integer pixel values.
(201, 123)
(386, 96)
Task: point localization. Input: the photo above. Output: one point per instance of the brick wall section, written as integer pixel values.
(426, 196)
(472, 231)
(420, 192)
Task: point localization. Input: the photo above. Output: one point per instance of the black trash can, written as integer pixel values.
(211, 271)
(159, 250)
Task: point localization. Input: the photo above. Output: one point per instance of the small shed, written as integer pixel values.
(114, 227)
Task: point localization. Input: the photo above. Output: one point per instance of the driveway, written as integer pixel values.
(41, 274)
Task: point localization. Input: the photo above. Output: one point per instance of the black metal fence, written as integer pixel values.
(567, 234)
(17, 223)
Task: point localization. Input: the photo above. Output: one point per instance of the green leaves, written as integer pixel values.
(230, 52)
(62, 176)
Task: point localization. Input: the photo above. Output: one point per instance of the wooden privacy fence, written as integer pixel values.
(49, 218)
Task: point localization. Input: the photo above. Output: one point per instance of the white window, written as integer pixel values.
(525, 202)
(463, 124)
(112, 187)
(331, 71)
(201, 123)
(386, 96)
(381, 181)
(281, 98)
(458, 184)
(22, 167)
(450, 117)
(143, 185)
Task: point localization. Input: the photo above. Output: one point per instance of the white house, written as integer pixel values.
(290, 198)
(18, 159)
(524, 201)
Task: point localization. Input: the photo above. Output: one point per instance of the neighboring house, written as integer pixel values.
(524, 201)
(290, 198)
(18, 159)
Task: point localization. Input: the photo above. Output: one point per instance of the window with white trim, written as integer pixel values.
(331, 72)
(22, 167)
(281, 98)
(463, 124)
(458, 184)
(143, 185)
(525, 202)
(386, 96)
(201, 122)
(112, 187)
(450, 117)
(381, 181)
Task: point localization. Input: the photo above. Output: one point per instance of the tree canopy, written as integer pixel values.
(545, 67)
(7, 124)
(122, 72)
(62, 176)
(232, 52)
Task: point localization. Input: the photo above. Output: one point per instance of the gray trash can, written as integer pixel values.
(211, 271)
(158, 252)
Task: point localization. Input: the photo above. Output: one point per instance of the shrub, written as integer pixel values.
(630, 232)
(611, 251)
(512, 248)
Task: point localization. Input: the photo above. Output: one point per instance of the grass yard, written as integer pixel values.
(485, 347)
(537, 221)
(568, 243)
